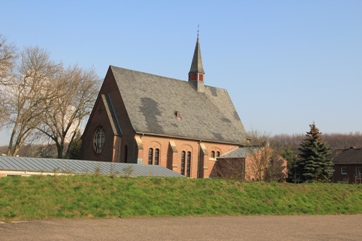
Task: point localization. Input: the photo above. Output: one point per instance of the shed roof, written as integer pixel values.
(45, 165)
(153, 102)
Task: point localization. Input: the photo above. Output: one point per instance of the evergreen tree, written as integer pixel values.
(74, 149)
(289, 155)
(314, 162)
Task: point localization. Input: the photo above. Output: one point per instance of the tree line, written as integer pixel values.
(334, 140)
(43, 101)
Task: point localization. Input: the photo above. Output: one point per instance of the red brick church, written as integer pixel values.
(148, 119)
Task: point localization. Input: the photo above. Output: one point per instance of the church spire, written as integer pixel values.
(196, 74)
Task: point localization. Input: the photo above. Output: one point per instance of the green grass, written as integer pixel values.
(91, 196)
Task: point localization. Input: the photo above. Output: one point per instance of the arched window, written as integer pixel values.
(98, 140)
(157, 156)
(188, 164)
(218, 154)
(213, 154)
(150, 156)
(125, 153)
(183, 154)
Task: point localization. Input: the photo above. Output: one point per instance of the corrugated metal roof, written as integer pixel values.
(82, 167)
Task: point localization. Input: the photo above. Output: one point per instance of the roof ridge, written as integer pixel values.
(141, 72)
(162, 76)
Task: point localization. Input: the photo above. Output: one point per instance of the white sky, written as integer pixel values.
(285, 63)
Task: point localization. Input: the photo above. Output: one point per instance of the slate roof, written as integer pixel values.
(196, 65)
(151, 102)
(80, 167)
(241, 152)
(348, 156)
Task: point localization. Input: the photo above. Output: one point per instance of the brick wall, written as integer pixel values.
(172, 160)
(114, 146)
(348, 176)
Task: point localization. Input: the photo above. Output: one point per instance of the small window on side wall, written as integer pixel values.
(183, 156)
(217, 154)
(213, 154)
(188, 166)
(344, 170)
(150, 156)
(157, 156)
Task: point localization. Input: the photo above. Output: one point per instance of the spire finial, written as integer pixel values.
(198, 30)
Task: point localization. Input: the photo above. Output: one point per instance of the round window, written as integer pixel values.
(98, 140)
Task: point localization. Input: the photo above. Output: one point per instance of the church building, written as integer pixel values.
(148, 119)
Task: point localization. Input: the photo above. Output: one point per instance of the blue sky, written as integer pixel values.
(285, 64)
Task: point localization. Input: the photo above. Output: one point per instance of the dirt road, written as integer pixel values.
(329, 227)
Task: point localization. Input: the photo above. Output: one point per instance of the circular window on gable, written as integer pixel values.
(98, 140)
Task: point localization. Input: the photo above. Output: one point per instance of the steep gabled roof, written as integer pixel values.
(153, 102)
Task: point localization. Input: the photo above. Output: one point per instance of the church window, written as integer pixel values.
(183, 155)
(156, 160)
(98, 140)
(157, 156)
(188, 164)
(150, 156)
(213, 154)
(218, 154)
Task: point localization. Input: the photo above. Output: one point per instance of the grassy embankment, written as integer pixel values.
(92, 196)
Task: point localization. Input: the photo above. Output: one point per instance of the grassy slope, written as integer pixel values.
(42, 197)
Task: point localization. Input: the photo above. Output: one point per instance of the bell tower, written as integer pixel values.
(196, 74)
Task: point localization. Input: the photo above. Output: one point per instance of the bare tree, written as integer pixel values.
(343, 141)
(8, 56)
(40, 94)
(335, 140)
(77, 89)
(229, 168)
(264, 162)
(276, 170)
(28, 95)
(257, 161)
(4, 110)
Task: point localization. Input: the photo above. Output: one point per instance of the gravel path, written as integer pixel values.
(328, 227)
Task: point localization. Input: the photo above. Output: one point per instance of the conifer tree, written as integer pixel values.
(314, 162)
